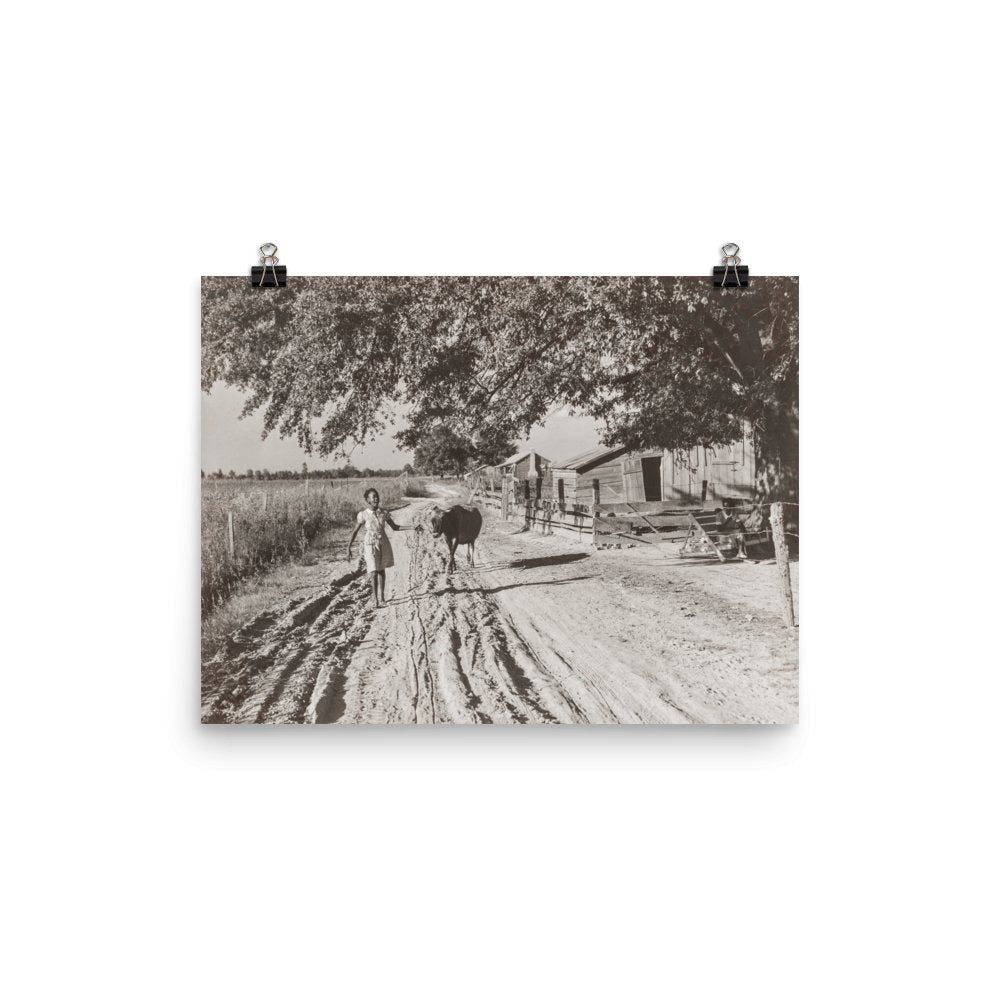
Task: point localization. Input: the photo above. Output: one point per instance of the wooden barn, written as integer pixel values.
(597, 472)
(529, 465)
(608, 475)
(528, 471)
(710, 473)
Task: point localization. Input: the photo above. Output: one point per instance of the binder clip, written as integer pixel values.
(268, 274)
(733, 274)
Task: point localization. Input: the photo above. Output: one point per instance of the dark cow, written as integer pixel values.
(460, 525)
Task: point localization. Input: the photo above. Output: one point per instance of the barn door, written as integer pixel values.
(733, 468)
(632, 479)
(722, 459)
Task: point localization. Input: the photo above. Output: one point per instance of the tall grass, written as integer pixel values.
(272, 522)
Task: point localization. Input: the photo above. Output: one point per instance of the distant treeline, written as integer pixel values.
(347, 472)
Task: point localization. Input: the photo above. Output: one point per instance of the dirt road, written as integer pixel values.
(543, 629)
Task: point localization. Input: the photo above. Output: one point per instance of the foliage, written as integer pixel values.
(440, 450)
(689, 364)
(664, 362)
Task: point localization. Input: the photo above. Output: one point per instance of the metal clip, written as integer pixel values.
(731, 274)
(268, 259)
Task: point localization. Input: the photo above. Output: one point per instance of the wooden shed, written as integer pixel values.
(528, 471)
(705, 474)
(529, 465)
(609, 475)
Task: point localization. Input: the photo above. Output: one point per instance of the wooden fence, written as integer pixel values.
(612, 523)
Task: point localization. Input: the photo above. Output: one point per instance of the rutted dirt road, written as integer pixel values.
(543, 629)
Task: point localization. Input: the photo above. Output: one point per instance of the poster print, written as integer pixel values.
(499, 500)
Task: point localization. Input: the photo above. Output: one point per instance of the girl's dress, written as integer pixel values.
(375, 547)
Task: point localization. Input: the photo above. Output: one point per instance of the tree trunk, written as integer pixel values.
(781, 559)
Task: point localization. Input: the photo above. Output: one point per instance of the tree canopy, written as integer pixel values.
(440, 450)
(663, 362)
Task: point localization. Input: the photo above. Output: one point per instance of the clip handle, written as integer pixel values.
(268, 274)
(731, 274)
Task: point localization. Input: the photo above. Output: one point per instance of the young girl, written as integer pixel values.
(375, 546)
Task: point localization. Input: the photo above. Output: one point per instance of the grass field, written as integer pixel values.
(273, 521)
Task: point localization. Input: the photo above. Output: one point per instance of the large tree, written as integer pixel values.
(688, 364)
(664, 362)
(442, 450)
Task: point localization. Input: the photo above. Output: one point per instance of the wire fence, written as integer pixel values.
(245, 531)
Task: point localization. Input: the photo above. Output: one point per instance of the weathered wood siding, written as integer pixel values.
(710, 472)
(636, 482)
(620, 479)
(610, 475)
(705, 473)
(568, 478)
(577, 486)
(522, 469)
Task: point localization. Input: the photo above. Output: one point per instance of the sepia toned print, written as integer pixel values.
(489, 499)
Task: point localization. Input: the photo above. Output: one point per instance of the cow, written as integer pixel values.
(460, 525)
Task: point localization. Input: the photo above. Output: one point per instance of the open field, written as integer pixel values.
(272, 521)
(543, 629)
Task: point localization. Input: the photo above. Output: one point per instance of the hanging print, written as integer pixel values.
(499, 500)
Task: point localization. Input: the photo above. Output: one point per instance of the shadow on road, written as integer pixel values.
(568, 557)
(510, 586)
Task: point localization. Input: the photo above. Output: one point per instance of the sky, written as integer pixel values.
(227, 442)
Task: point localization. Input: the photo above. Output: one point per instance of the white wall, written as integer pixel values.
(853, 855)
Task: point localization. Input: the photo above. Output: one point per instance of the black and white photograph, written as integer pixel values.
(473, 476)
(525, 500)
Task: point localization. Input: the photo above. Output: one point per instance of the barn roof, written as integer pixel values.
(578, 463)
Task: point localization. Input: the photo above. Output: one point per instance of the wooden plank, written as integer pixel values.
(636, 538)
(646, 520)
(665, 518)
(696, 538)
(647, 507)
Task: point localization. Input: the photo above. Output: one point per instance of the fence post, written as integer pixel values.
(505, 499)
(265, 502)
(230, 536)
(781, 558)
(595, 503)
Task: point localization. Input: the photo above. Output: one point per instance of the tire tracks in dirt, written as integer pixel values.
(512, 640)
(445, 651)
(271, 668)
